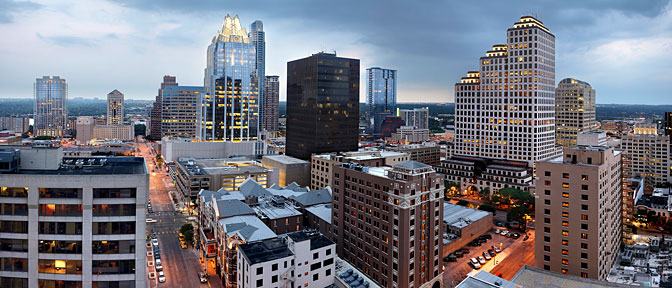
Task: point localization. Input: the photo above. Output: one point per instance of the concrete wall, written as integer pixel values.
(171, 150)
(469, 233)
(289, 172)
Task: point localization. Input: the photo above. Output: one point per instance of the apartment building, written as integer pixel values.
(387, 222)
(474, 174)
(574, 110)
(648, 153)
(428, 152)
(578, 212)
(76, 222)
(322, 164)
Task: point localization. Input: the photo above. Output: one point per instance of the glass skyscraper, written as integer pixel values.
(51, 113)
(322, 105)
(381, 96)
(258, 38)
(231, 103)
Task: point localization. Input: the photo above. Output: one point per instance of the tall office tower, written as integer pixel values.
(155, 113)
(85, 126)
(668, 123)
(271, 103)
(322, 105)
(258, 38)
(580, 202)
(574, 110)
(51, 112)
(72, 223)
(381, 96)
(115, 108)
(417, 117)
(648, 154)
(506, 110)
(179, 110)
(395, 232)
(231, 102)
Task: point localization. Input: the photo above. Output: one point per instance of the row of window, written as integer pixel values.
(22, 192)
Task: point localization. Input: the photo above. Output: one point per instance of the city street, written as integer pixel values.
(515, 253)
(180, 266)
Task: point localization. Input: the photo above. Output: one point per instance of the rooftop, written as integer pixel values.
(317, 240)
(460, 216)
(322, 211)
(220, 166)
(412, 165)
(232, 207)
(313, 197)
(249, 228)
(531, 277)
(483, 279)
(285, 159)
(272, 208)
(265, 250)
(95, 166)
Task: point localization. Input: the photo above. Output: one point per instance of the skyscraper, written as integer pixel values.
(155, 113)
(231, 103)
(506, 109)
(179, 110)
(85, 126)
(258, 38)
(381, 96)
(668, 123)
(271, 104)
(115, 108)
(579, 212)
(574, 110)
(322, 105)
(51, 113)
(417, 117)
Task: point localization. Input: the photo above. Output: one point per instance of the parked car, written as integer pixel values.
(504, 233)
(202, 277)
(162, 278)
(157, 265)
(496, 248)
(153, 235)
(150, 220)
(474, 263)
(450, 258)
(155, 242)
(515, 236)
(465, 251)
(497, 231)
(487, 256)
(487, 236)
(458, 254)
(492, 252)
(481, 260)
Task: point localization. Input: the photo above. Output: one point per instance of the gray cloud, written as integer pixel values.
(9, 7)
(67, 41)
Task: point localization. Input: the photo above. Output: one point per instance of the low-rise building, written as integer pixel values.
(473, 174)
(118, 132)
(322, 165)
(462, 225)
(10, 138)
(428, 152)
(172, 149)
(592, 138)
(409, 134)
(292, 170)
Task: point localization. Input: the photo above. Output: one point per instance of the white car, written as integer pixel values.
(150, 220)
(474, 263)
(481, 260)
(158, 266)
(487, 256)
(155, 242)
(504, 232)
(162, 278)
(497, 231)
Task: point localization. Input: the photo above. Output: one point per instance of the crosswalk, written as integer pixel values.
(165, 232)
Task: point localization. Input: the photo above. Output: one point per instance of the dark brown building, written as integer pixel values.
(668, 123)
(155, 113)
(387, 222)
(271, 104)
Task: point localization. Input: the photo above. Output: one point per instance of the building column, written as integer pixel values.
(33, 214)
(87, 236)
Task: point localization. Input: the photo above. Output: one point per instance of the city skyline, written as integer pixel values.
(594, 39)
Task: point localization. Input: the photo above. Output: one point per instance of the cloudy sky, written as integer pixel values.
(621, 47)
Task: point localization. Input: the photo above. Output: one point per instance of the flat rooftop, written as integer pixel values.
(460, 216)
(531, 277)
(286, 159)
(265, 250)
(220, 167)
(95, 166)
(317, 240)
(276, 211)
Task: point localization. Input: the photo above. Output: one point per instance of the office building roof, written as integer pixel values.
(96, 166)
(483, 279)
(285, 159)
(322, 211)
(249, 228)
(531, 277)
(317, 240)
(460, 216)
(265, 250)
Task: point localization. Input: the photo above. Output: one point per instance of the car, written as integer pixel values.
(202, 277)
(515, 236)
(458, 254)
(162, 278)
(158, 266)
(481, 260)
(492, 252)
(155, 242)
(465, 251)
(487, 256)
(450, 258)
(150, 211)
(487, 236)
(504, 233)
(150, 220)
(157, 255)
(180, 236)
(497, 231)
(474, 263)
(496, 248)
(500, 224)
(183, 245)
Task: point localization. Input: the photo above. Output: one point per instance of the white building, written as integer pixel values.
(592, 138)
(574, 110)
(506, 109)
(115, 108)
(418, 117)
(78, 222)
(298, 259)
(85, 129)
(648, 155)
(118, 132)
(173, 149)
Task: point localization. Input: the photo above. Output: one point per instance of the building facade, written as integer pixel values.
(115, 108)
(322, 165)
(427, 152)
(231, 102)
(578, 211)
(258, 38)
(117, 132)
(51, 110)
(409, 134)
(155, 113)
(506, 109)
(15, 124)
(574, 110)
(75, 223)
(418, 117)
(271, 104)
(381, 96)
(84, 128)
(388, 222)
(648, 155)
(322, 105)
(668, 123)
(180, 108)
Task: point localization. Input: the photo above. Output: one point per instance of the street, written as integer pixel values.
(180, 266)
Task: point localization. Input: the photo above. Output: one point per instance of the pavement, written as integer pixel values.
(180, 266)
(515, 253)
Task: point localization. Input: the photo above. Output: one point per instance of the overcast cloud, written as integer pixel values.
(621, 47)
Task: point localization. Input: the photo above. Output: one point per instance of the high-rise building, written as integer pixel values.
(506, 109)
(381, 96)
(231, 102)
(271, 103)
(648, 154)
(115, 108)
(574, 110)
(155, 113)
(51, 111)
(668, 123)
(72, 222)
(395, 234)
(180, 107)
(322, 105)
(258, 38)
(15, 124)
(417, 117)
(85, 126)
(579, 212)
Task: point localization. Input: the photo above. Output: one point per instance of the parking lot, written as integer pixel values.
(515, 253)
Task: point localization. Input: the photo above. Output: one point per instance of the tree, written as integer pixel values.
(484, 193)
(488, 207)
(188, 231)
(517, 195)
(140, 129)
(664, 185)
(518, 214)
(463, 203)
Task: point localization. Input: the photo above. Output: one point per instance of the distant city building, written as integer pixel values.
(292, 170)
(180, 108)
(578, 210)
(417, 117)
(271, 104)
(155, 113)
(405, 197)
(115, 108)
(51, 111)
(574, 110)
(8, 137)
(381, 96)
(322, 116)
(322, 165)
(176, 148)
(114, 132)
(84, 126)
(390, 125)
(427, 152)
(231, 102)
(76, 222)
(475, 174)
(668, 123)
(506, 109)
(15, 124)
(409, 134)
(258, 38)
(648, 154)
(614, 126)
(591, 138)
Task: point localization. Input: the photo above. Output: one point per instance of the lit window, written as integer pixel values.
(565, 233)
(565, 223)
(584, 235)
(565, 195)
(565, 242)
(584, 217)
(565, 204)
(565, 262)
(565, 185)
(565, 214)
(565, 252)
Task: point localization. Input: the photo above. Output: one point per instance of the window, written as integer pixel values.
(547, 239)
(584, 187)
(274, 267)
(565, 233)
(328, 272)
(60, 193)
(565, 204)
(547, 192)
(565, 262)
(584, 217)
(565, 195)
(584, 255)
(315, 255)
(584, 197)
(21, 192)
(584, 226)
(274, 279)
(565, 215)
(315, 266)
(564, 271)
(547, 183)
(547, 258)
(584, 235)
(584, 207)
(547, 220)
(584, 275)
(260, 282)
(565, 223)
(584, 245)
(547, 267)
(565, 175)
(547, 201)
(565, 252)
(565, 185)
(547, 211)
(584, 265)
(547, 173)
(114, 192)
(547, 248)
(565, 242)
(584, 177)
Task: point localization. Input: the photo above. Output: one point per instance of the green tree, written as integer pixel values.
(463, 203)
(664, 185)
(518, 213)
(488, 207)
(517, 195)
(140, 129)
(484, 193)
(188, 231)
